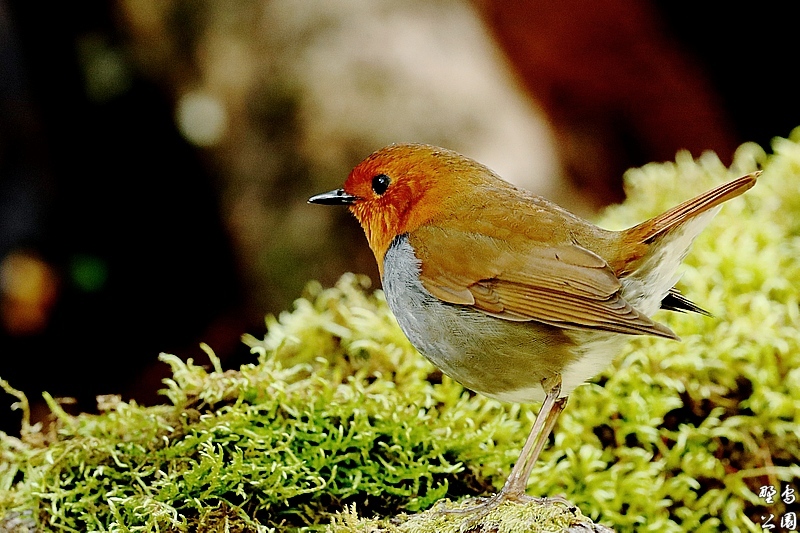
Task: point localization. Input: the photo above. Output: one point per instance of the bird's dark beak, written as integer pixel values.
(335, 197)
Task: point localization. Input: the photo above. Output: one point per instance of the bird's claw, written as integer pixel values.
(482, 506)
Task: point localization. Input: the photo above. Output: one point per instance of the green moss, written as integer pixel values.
(506, 518)
(341, 420)
(329, 416)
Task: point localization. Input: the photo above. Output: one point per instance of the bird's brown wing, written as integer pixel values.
(565, 285)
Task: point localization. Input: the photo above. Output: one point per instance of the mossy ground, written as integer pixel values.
(341, 420)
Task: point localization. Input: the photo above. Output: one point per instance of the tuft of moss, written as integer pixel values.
(533, 517)
(338, 410)
(342, 426)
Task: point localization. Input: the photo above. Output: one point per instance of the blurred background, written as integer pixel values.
(156, 156)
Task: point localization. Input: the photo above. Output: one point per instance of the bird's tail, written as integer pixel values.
(650, 229)
(664, 241)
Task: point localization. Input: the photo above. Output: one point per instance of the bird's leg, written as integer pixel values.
(515, 485)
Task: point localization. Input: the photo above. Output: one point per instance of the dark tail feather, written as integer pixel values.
(675, 301)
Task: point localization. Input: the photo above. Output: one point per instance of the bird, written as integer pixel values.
(506, 292)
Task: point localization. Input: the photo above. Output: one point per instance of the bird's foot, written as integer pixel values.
(476, 509)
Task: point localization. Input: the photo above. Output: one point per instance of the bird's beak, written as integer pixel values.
(335, 197)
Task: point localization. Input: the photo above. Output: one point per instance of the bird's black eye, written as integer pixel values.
(380, 183)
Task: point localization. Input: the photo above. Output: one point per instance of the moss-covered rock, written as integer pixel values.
(341, 420)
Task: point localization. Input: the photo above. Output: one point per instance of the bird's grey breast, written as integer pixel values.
(501, 359)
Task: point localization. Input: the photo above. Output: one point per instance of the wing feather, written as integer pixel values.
(564, 285)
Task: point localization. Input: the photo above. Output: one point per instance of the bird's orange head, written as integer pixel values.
(404, 186)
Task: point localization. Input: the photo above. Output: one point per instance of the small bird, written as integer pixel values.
(506, 292)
